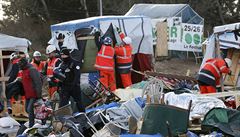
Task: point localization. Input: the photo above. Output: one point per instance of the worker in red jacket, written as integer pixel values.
(36, 62)
(210, 74)
(52, 62)
(105, 64)
(32, 86)
(124, 61)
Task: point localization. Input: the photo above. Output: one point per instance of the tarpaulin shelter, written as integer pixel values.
(164, 11)
(185, 26)
(9, 44)
(138, 28)
(227, 39)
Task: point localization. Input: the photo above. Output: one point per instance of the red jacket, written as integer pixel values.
(104, 59)
(212, 70)
(31, 82)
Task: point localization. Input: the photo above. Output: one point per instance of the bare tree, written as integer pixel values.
(220, 11)
(84, 4)
(45, 9)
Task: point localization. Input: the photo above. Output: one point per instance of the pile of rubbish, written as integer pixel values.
(148, 108)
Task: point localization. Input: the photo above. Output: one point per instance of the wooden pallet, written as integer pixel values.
(235, 68)
(18, 109)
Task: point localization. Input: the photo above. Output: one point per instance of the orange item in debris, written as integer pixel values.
(207, 89)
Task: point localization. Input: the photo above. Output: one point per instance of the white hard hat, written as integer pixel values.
(13, 55)
(228, 61)
(50, 49)
(37, 54)
(127, 40)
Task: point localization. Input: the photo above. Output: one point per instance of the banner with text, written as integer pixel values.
(183, 36)
(192, 37)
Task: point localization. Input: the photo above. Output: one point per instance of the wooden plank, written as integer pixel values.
(2, 75)
(231, 80)
(170, 76)
(235, 93)
(162, 45)
(85, 38)
(4, 78)
(5, 57)
(230, 53)
(221, 94)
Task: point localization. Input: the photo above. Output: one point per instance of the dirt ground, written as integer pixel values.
(177, 66)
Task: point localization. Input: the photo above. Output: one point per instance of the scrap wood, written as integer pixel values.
(146, 75)
(178, 77)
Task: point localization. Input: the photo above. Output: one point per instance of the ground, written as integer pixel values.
(177, 66)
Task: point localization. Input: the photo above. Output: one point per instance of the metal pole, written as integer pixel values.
(100, 7)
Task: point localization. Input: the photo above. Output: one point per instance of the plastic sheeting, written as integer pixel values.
(138, 28)
(225, 120)
(200, 105)
(210, 50)
(13, 43)
(159, 11)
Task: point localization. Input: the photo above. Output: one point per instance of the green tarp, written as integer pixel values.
(224, 120)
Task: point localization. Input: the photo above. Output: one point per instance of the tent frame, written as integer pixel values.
(3, 78)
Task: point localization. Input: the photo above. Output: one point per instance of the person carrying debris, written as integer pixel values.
(52, 62)
(68, 73)
(36, 62)
(32, 86)
(105, 64)
(124, 60)
(210, 74)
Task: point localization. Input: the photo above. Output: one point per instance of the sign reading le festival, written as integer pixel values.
(183, 36)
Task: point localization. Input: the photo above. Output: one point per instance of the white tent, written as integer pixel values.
(13, 43)
(185, 26)
(138, 28)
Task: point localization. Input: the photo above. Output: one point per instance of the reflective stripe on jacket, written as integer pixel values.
(212, 70)
(123, 58)
(104, 59)
(50, 66)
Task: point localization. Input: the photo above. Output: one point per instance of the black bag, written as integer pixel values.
(13, 89)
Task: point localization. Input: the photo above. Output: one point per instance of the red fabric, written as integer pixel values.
(52, 90)
(141, 62)
(40, 66)
(108, 80)
(122, 35)
(124, 52)
(105, 63)
(207, 89)
(15, 61)
(27, 84)
(51, 65)
(126, 79)
(19, 75)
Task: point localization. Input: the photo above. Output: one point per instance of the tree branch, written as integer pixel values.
(220, 12)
